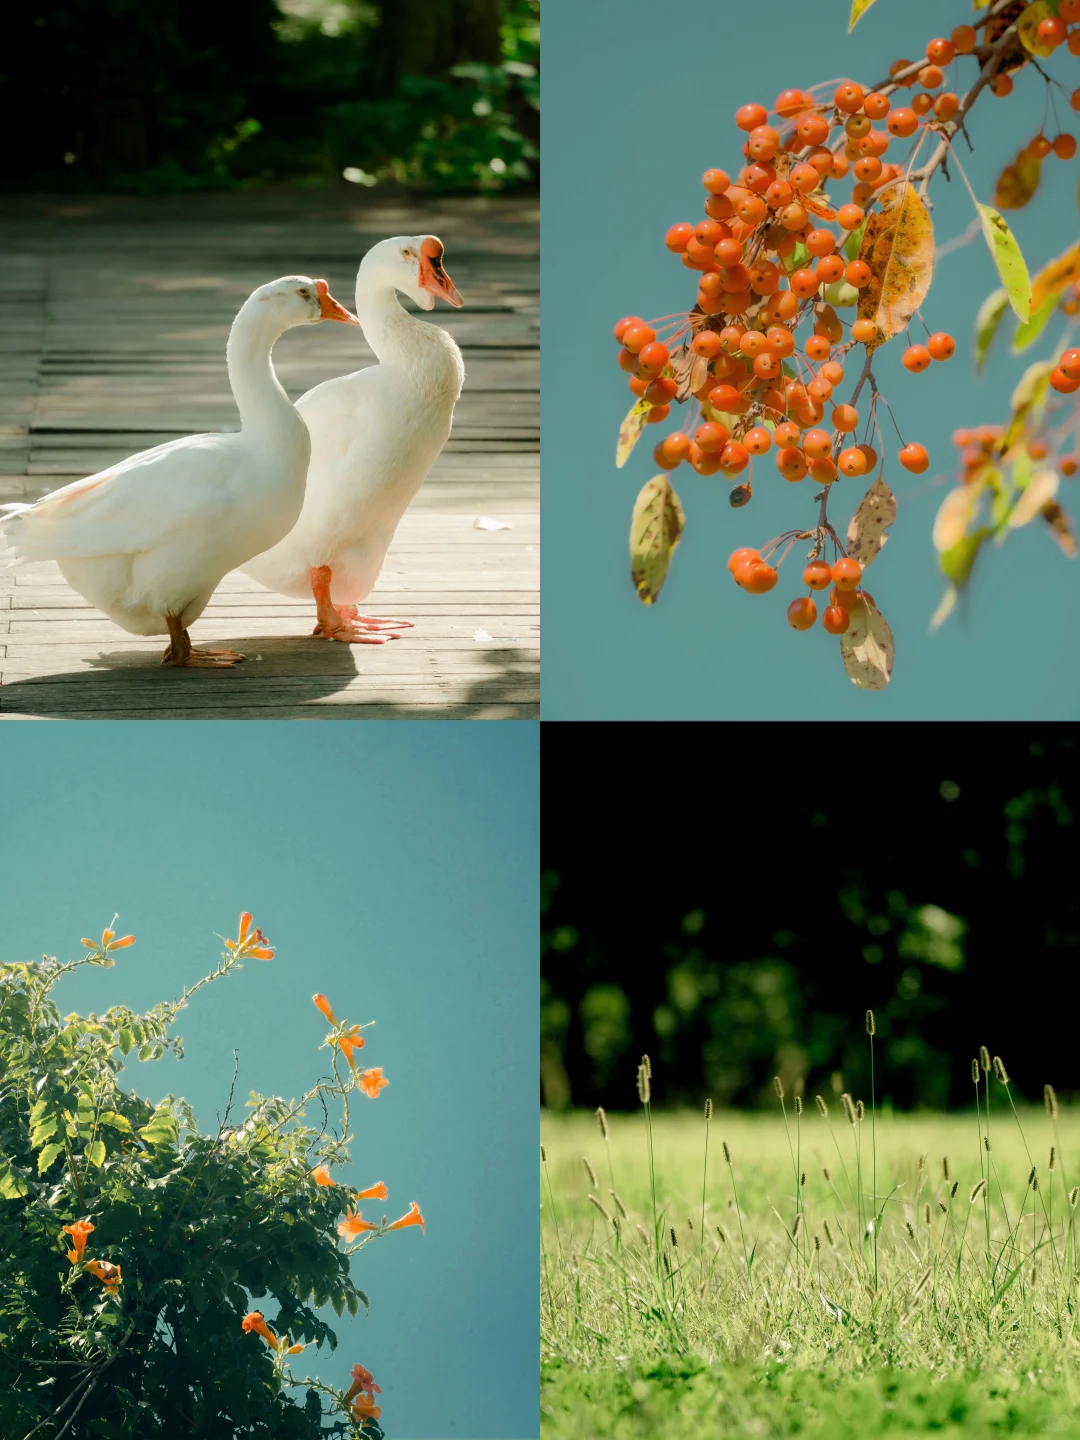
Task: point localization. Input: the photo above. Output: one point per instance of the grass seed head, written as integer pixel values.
(1000, 1071)
(644, 1235)
(589, 1170)
(1031, 1179)
(601, 1120)
(922, 1162)
(976, 1077)
(727, 1152)
(849, 1106)
(945, 1167)
(674, 1237)
(802, 1179)
(689, 1223)
(870, 1026)
(825, 1172)
(820, 1103)
(926, 1212)
(543, 1155)
(976, 1191)
(1050, 1101)
(778, 1086)
(1074, 1194)
(797, 1226)
(986, 1143)
(708, 1109)
(943, 1207)
(984, 1057)
(955, 1187)
(817, 1242)
(594, 1201)
(722, 1233)
(1053, 1157)
(619, 1204)
(921, 1286)
(647, 1063)
(828, 1233)
(860, 1110)
(910, 1228)
(798, 1104)
(643, 1087)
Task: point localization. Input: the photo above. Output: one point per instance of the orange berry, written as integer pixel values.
(916, 358)
(756, 577)
(817, 575)
(677, 237)
(1040, 147)
(832, 371)
(941, 346)
(786, 434)
(1068, 465)
(664, 458)
(1051, 31)
(716, 181)
(804, 283)
(946, 105)
(863, 331)
(829, 269)
(964, 39)
(711, 437)
(817, 347)
(757, 440)
(846, 573)
(725, 398)
(743, 556)
(851, 462)
(719, 207)
(790, 102)
(676, 447)
(940, 52)
(1069, 10)
(780, 340)
(850, 217)
(661, 391)
(706, 343)
(763, 142)
(835, 620)
(637, 337)
(766, 365)
(930, 77)
(817, 444)
(1065, 145)
(870, 455)
(845, 418)
(657, 413)
(704, 464)
(811, 128)
(862, 192)
(820, 242)
(849, 98)
(734, 458)
(868, 168)
(1002, 85)
(902, 122)
(1069, 364)
(914, 458)
(654, 355)
(1062, 383)
(858, 274)
(749, 117)
(823, 471)
(637, 387)
(625, 324)
(791, 463)
(801, 613)
(876, 106)
(922, 103)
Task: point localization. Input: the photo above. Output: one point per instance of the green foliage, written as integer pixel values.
(197, 1224)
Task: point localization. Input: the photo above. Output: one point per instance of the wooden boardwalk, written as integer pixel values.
(113, 320)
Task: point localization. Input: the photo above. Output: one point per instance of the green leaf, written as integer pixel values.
(853, 243)
(630, 431)
(1027, 334)
(1008, 259)
(161, 1128)
(43, 1130)
(858, 10)
(114, 1121)
(95, 1152)
(986, 324)
(12, 1185)
(957, 562)
(47, 1156)
(127, 1040)
(944, 609)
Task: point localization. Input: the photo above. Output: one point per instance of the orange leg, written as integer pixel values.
(343, 622)
(181, 652)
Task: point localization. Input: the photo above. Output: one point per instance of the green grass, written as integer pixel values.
(748, 1328)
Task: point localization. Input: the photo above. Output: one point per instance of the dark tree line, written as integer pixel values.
(732, 899)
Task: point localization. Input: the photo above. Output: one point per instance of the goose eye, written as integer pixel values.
(408, 254)
(304, 294)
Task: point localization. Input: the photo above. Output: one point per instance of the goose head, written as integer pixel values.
(299, 300)
(412, 264)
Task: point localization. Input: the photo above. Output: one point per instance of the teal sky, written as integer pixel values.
(393, 867)
(654, 92)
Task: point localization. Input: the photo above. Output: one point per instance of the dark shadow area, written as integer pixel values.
(732, 899)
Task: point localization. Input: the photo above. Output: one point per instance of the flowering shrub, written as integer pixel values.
(131, 1244)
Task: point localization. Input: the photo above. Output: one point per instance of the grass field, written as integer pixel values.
(807, 1307)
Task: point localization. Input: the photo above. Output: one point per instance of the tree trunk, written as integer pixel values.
(427, 37)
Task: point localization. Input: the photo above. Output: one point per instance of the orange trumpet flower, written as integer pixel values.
(376, 1192)
(363, 1380)
(371, 1082)
(107, 1273)
(354, 1224)
(108, 943)
(78, 1232)
(364, 1408)
(254, 1321)
(254, 944)
(321, 1175)
(321, 1003)
(350, 1041)
(412, 1218)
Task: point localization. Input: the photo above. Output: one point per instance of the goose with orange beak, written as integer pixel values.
(375, 435)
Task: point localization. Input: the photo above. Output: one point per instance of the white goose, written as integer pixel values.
(375, 434)
(149, 539)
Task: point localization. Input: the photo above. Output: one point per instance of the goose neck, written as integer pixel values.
(256, 389)
(388, 327)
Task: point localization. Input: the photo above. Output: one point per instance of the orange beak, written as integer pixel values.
(329, 307)
(432, 275)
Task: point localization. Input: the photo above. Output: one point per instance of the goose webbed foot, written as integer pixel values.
(180, 651)
(345, 622)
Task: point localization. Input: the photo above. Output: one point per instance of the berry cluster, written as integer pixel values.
(755, 575)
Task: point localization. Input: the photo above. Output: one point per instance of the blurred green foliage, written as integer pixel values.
(116, 95)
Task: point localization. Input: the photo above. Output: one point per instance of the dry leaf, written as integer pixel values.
(867, 647)
(1053, 278)
(1027, 27)
(630, 430)
(655, 530)
(1018, 182)
(898, 246)
(1060, 527)
(1039, 491)
(876, 511)
(858, 10)
(954, 516)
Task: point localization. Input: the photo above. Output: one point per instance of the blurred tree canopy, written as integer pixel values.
(181, 94)
(731, 900)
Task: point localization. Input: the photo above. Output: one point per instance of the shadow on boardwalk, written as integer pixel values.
(115, 314)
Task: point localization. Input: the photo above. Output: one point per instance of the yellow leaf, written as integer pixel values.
(867, 647)
(1018, 182)
(898, 246)
(954, 516)
(1039, 491)
(1053, 278)
(1027, 27)
(866, 532)
(1008, 259)
(1029, 396)
(655, 530)
(629, 431)
(858, 10)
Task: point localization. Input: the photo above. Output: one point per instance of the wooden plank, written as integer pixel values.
(114, 314)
